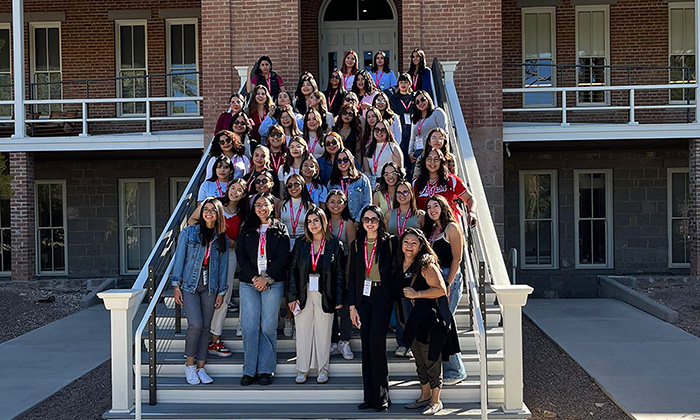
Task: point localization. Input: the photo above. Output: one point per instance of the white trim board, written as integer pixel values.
(524, 132)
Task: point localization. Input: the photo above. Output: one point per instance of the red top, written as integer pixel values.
(455, 188)
(233, 226)
(257, 120)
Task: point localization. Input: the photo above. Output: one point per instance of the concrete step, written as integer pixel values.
(170, 364)
(338, 390)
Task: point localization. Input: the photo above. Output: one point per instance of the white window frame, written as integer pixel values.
(174, 198)
(553, 41)
(671, 6)
(609, 240)
(168, 59)
(32, 51)
(8, 27)
(37, 248)
(597, 8)
(669, 214)
(122, 221)
(117, 54)
(555, 219)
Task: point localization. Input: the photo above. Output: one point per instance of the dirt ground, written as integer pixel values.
(682, 298)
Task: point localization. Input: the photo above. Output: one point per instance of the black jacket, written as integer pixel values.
(332, 280)
(356, 279)
(277, 246)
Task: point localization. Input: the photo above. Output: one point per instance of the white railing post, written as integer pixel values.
(243, 74)
(85, 122)
(122, 305)
(511, 299)
(632, 117)
(18, 68)
(563, 109)
(148, 118)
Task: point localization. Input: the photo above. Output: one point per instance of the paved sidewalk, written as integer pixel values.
(647, 366)
(42, 361)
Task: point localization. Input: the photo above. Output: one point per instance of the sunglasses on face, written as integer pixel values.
(421, 100)
(275, 135)
(225, 141)
(293, 185)
(368, 220)
(331, 143)
(380, 130)
(343, 161)
(348, 114)
(335, 77)
(238, 123)
(403, 193)
(351, 100)
(261, 181)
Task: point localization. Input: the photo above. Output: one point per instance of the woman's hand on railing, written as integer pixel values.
(177, 294)
(219, 301)
(471, 218)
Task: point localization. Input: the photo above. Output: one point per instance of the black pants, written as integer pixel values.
(341, 325)
(375, 314)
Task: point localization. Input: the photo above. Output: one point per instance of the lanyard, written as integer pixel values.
(368, 264)
(406, 106)
(276, 161)
(315, 257)
(269, 84)
(431, 188)
(313, 146)
(263, 239)
(332, 99)
(218, 187)
(378, 78)
(344, 186)
(295, 221)
(388, 200)
(415, 80)
(310, 187)
(420, 124)
(375, 158)
(207, 253)
(340, 230)
(401, 227)
(434, 236)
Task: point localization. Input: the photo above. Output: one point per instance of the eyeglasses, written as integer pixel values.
(433, 160)
(331, 143)
(370, 220)
(225, 141)
(390, 174)
(275, 135)
(380, 101)
(261, 181)
(209, 211)
(380, 130)
(262, 205)
(421, 100)
(404, 193)
(343, 160)
(293, 185)
(348, 114)
(239, 123)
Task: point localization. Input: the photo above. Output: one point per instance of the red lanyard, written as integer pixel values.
(340, 230)
(420, 125)
(218, 187)
(415, 80)
(368, 264)
(431, 188)
(332, 99)
(269, 84)
(295, 221)
(313, 146)
(277, 161)
(375, 158)
(206, 254)
(310, 187)
(344, 186)
(434, 236)
(315, 257)
(263, 239)
(406, 106)
(388, 200)
(379, 78)
(401, 227)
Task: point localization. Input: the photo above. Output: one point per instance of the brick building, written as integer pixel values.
(600, 185)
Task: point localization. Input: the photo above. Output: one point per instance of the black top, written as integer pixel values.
(443, 249)
(277, 252)
(331, 267)
(383, 257)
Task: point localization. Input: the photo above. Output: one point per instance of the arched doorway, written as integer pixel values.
(366, 26)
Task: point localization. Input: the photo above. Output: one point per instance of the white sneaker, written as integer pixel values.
(191, 375)
(400, 351)
(345, 350)
(409, 354)
(202, 374)
(322, 377)
(288, 327)
(452, 381)
(334, 349)
(239, 331)
(301, 377)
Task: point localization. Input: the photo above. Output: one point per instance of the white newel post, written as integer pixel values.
(18, 67)
(449, 68)
(243, 74)
(511, 299)
(122, 304)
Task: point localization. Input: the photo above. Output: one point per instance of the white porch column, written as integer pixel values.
(18, 67)
(511, 300)
(243, 74)
(123, 305)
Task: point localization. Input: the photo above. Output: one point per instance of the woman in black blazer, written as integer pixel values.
(371, 297)
(263, 252)
(314, 291)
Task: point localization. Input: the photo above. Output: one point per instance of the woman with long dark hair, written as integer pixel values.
(199, 282)
(216, 185)
(242, 126)
(371, 295)
(284, 100)
(385, 191)
(436, 139)
(260, 164)
(298, 152)
(402, 104)
(317, 191)
(235, 105)
(425, 117)
(349, 68)
(382, 75)
(332, 142)
(435, 178)
(364, 88)
(292, 210)
(263, 253)
(262, 74)
(288, 122)
(381, 102)
(381, 149)
(335, 92)
(349, 125)
(316, 289)
(372, 117)
(301, 100)
(313, 132)
(421, 76)
(317, 101)
(259, 107)
(229, 144)
(277, 146)
(352, 182)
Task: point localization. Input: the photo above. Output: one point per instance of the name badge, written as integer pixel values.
(205, 276)
(367, 290)
(313, 282)
(262, 264)
(407, 118)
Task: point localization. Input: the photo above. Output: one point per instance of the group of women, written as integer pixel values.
(342, 204)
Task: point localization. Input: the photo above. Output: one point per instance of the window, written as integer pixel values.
(131, 65)
(45, 57)
(51, 227)
(593, 46)
(593, 218)
(539, 54)
(183, 62)
(338, 10)
(137, 213)
(678, 218)
(681, 38)
(538, 219)
(5, 70)
(5, 237)
(177, 188)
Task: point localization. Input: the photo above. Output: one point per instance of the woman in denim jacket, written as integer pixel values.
(199, 282)
(353, 183)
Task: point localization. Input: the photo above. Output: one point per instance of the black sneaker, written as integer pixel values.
(265, 379)
(247, 380)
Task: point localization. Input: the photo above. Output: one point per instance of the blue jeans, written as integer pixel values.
(454, 368)
(259, 317)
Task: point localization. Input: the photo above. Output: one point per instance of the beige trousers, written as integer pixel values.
(313, 335)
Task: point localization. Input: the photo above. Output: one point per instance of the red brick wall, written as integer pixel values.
(22, 215)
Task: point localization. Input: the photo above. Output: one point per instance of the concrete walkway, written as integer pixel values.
(648, 367)
(41, 362)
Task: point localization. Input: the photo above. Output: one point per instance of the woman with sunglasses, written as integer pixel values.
(335, 92)
(342, 226)
(402, 104)
(317, 191)
(381, 102)
(447, 240)
(425, 117)
(382, 75)
(349, 68)
(284, 100)
(259, 107)
(316, 289)
(278, 147)
(263, 254)
(313, 132)
(421, 76)
(216, 185)
(260, 164)
(227, 143)
(371, 295)
(364, 88)
(235, 105)
(436, 139)
(435, 179)
(381, 149)
(392, 175)
(354, 184)
(262, 74)
(242, 126)
(349, 125)
(332, 142)
(317, 102)
(298, 152)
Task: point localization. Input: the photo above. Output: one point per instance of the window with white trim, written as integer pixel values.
(5, 237)
(678, 218)
(5, 70)
(137, 215)
(45, 60)
(593, 47)
(51, 255)
(183, 64)
(539, 236)
(132, 65)
(177, 188)
(681, 49)
(593, 216)
(539, 49)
